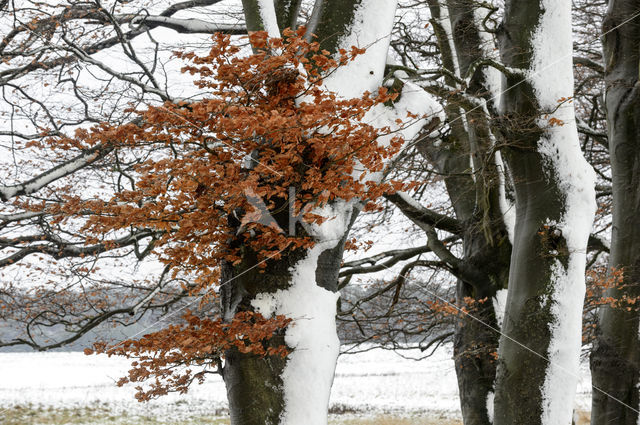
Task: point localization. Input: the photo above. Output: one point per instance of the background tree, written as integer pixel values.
(615, 357)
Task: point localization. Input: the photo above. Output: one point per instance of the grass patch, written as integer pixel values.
(94, 415)
(102, 415)
(392, 420)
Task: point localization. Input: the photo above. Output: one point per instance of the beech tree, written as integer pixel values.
(539, 350)
(469, 158)
(615, 357)
(517, 134)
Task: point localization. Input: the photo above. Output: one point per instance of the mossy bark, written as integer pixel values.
(254, 383)
(538, 247)
(331, 21)
(615, 359)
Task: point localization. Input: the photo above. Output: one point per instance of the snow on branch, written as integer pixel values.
(58, 248)
(189, 26)
(66, 168)
(418, 213)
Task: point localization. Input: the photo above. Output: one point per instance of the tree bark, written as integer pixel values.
(474, 194)
(615, 359)
(555, 203)
(256, 389)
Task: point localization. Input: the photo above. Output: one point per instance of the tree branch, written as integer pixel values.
(59, 171)
(424, 216)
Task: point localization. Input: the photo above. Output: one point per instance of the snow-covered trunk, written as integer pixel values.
(555, 204)
(615, 359)
(254, 384)
(303, 285)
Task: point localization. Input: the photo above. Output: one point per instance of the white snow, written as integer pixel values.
(312, 335)
(409, 200)
(445, 21)
(499, 305)
(269, 19)
(370, 383)
(507, 208)
(371, 30)
(49, 176)
(413, 99)
(551, 75)
(192, 24)
(490, 398)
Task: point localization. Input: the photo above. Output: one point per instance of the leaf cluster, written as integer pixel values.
(170, 355)
(266, 124)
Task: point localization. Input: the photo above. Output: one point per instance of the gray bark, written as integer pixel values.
(287, 13)
(476, 203)
(615, 359)
(331, 20)
(254, 384)
(252, 15)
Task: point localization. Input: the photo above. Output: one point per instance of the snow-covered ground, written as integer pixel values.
(376, 381)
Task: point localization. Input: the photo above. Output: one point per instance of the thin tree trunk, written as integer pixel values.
(615, 359)
(474, 193)
(555, 204)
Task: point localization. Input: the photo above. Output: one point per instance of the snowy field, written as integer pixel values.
(373, 384)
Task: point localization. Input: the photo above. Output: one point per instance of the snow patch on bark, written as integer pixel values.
(308, 374)
(371, 30)
(413, 99)
(410, 200)
(638, 423)
(499, 305)
(490, 397)
(551, 75)
(55, 173)
(268, 16)
(190, 25)
(506, 207)
(445, 21)
(564, 349)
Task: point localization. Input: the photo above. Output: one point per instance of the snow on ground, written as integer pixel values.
(372, 382)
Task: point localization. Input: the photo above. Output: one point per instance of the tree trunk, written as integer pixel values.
(474, 194)
(476, 338)
(474, 344)
(303, 284)
(615, 359)
(555, 203)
